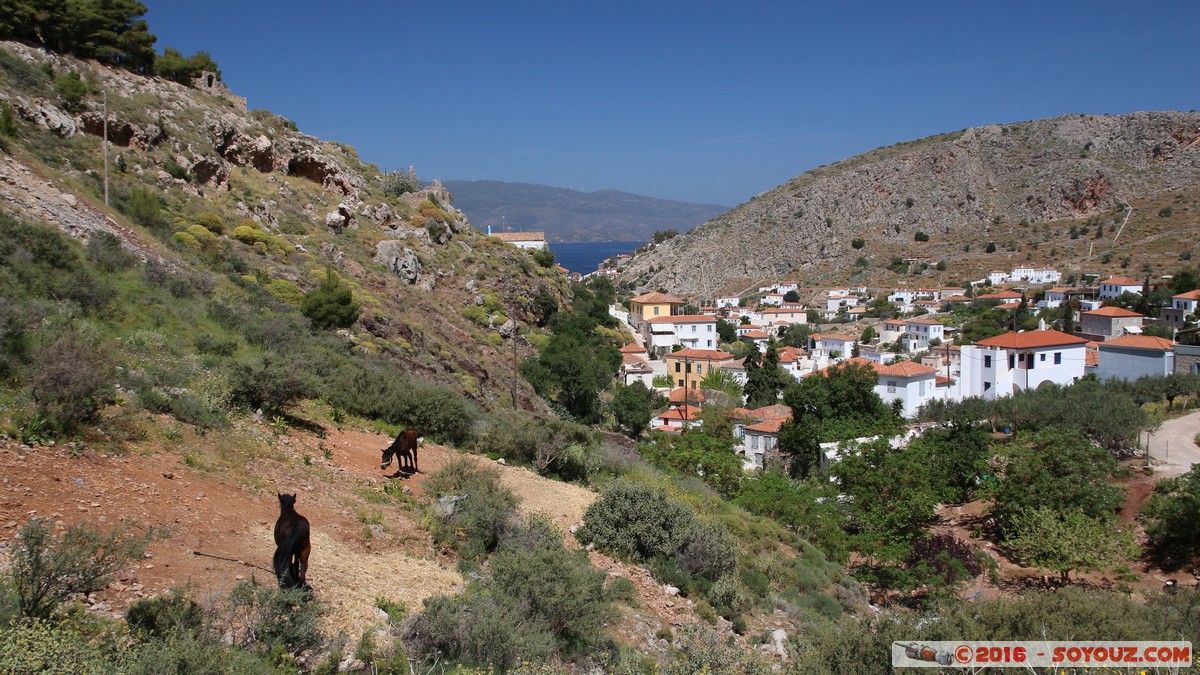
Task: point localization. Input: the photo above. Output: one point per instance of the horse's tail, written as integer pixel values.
(282, 563)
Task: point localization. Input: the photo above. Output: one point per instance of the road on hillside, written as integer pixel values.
(1173, 447)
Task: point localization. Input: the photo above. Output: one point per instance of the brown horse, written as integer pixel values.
(404, 448)
(292, 545)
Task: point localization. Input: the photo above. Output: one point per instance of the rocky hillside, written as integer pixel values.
(968, 186)
(572, 216)
(286, 206)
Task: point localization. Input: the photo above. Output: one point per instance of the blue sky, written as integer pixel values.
(697, 101)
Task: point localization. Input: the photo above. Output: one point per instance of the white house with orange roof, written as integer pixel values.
(1183, 305)
(919, 331)
(772, 298)
(776, 316)
(1132, 356)
(675, 420)
(795, 361)
(911, 383)
(728, 301)
(526, 240)
(756, 337)
(1054, 297)
(1010, 362)
(1035, 275)
(891, 330)
(1113, 287)
(757, 432)
(835, 303)
(652, 305)
(830, 347)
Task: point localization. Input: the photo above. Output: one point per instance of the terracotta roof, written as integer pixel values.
(682, 318)
(633, 362)
(755, 335)
(1008, 305)
(693, 395)
(1113, 312)
(1140, 342)
(956, 298)
(1091, 358)
(942, 381)
(782, 310)
(772, 412)
(700, 354)
(768, 426)
(906, 369)
(791, 353)
(678, 414)
(1122, 281)
(929, 320)
(894, 322)
(520, 236)
(1190, 295)
(1033, 338)
(999, 295)
(633, 349)
(654, 297)
(1059, 289)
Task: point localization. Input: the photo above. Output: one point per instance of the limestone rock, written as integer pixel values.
(401, 261)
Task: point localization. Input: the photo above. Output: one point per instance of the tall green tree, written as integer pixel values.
(1065, 541)
(330, 305)
(632, 407)
(764, 383)
(1172, 518)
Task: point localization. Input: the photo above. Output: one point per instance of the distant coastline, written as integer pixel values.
(584, 257)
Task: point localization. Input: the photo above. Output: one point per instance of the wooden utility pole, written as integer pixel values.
(104, 143)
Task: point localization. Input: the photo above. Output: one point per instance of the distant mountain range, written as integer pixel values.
(571, 216)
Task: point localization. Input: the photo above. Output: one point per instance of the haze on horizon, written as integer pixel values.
(712, 103)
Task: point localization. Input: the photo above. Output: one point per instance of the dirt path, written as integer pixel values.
(1173, 447)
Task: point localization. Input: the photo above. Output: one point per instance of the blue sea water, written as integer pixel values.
(586, 256)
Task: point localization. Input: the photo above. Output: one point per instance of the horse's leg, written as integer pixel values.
(282, 564)
(304, 564)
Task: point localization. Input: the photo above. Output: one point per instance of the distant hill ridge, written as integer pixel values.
(571, 216)
(968, 186)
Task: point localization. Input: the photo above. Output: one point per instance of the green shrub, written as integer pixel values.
(47, 569)
(210, 221)
(194, 656)
(330, 305)
(71, 380)
(37, 646)
(144, 208)
(708, 551)
(475, 522)
(105, 251)
(164, 615)
(636, 521)
(475, 314)
(268, 381)
(248, 235)
(70, 89)
(8, 121)
(186, 240)
(286, 292)
(273, 618)
(921, 236)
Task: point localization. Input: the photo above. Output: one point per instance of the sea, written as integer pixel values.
(585, 257)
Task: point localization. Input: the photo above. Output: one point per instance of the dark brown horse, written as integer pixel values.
(404, 449)
(292, 545)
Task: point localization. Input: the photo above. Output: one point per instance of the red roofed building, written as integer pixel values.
(1132, 356)
(694, 331)
(1113, 287)
(1004, 364)
(1105, 323)
(758, 432)
(688, 367)
(1182, 306)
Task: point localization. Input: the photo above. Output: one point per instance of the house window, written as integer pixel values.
(656, 310)
(677, 366)
(1057, 358)
(921, 388)
(710, 343)
(754, 442)
(681, 383)
(987, 385)
(987, 361)
(1043, 357)
(891, 385)
(693, 328)
(1012, 362)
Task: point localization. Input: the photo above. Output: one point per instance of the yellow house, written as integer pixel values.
(687, 367)
(649, 305)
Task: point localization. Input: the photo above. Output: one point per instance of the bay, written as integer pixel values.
(585, 257)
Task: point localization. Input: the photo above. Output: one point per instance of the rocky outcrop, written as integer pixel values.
(399, 260)
(966, 182)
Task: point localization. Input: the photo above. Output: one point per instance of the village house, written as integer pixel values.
(837, 303)
(776, 316)
(920, 331)
(757, 432)
(690, 331)
(830, 347)
(1105, 323)
(1113, 287)
(1182, 306)
(997, 277)
(651, 305)
(524, 240)
(1001, 296)
(1035, 275)
(1010, 362)
(1187, 359)
(911, 383)
(772, 298)
(755, 337)
(891, 330)
(635, 367)
(688, 367)
(728, 301)
(1129, 357)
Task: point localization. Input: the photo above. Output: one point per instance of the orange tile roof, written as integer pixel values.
(654, 297)
(1008, 305)
(894, 322)
(633, 349)
(1140, 342)
(1113, 312)
(755, 334)
(683, 318)
(634, 361)
(771, 412)
(906, 369)
(791, 353)
(767, 426)
(928, 320)
(1091, 358)
(1032, 339)
(1122, 281)
(678, 414)
(693, 395)
(1190, 295)
(700, 354)
(999, 295)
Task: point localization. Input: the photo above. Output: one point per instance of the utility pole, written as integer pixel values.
(105, 145)
(513, 384)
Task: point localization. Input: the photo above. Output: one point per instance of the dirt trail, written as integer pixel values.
(221, 521)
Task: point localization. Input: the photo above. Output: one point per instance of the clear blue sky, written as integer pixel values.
(698, 101)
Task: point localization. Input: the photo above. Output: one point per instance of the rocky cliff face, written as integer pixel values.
(966, 182)
(412, 258)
